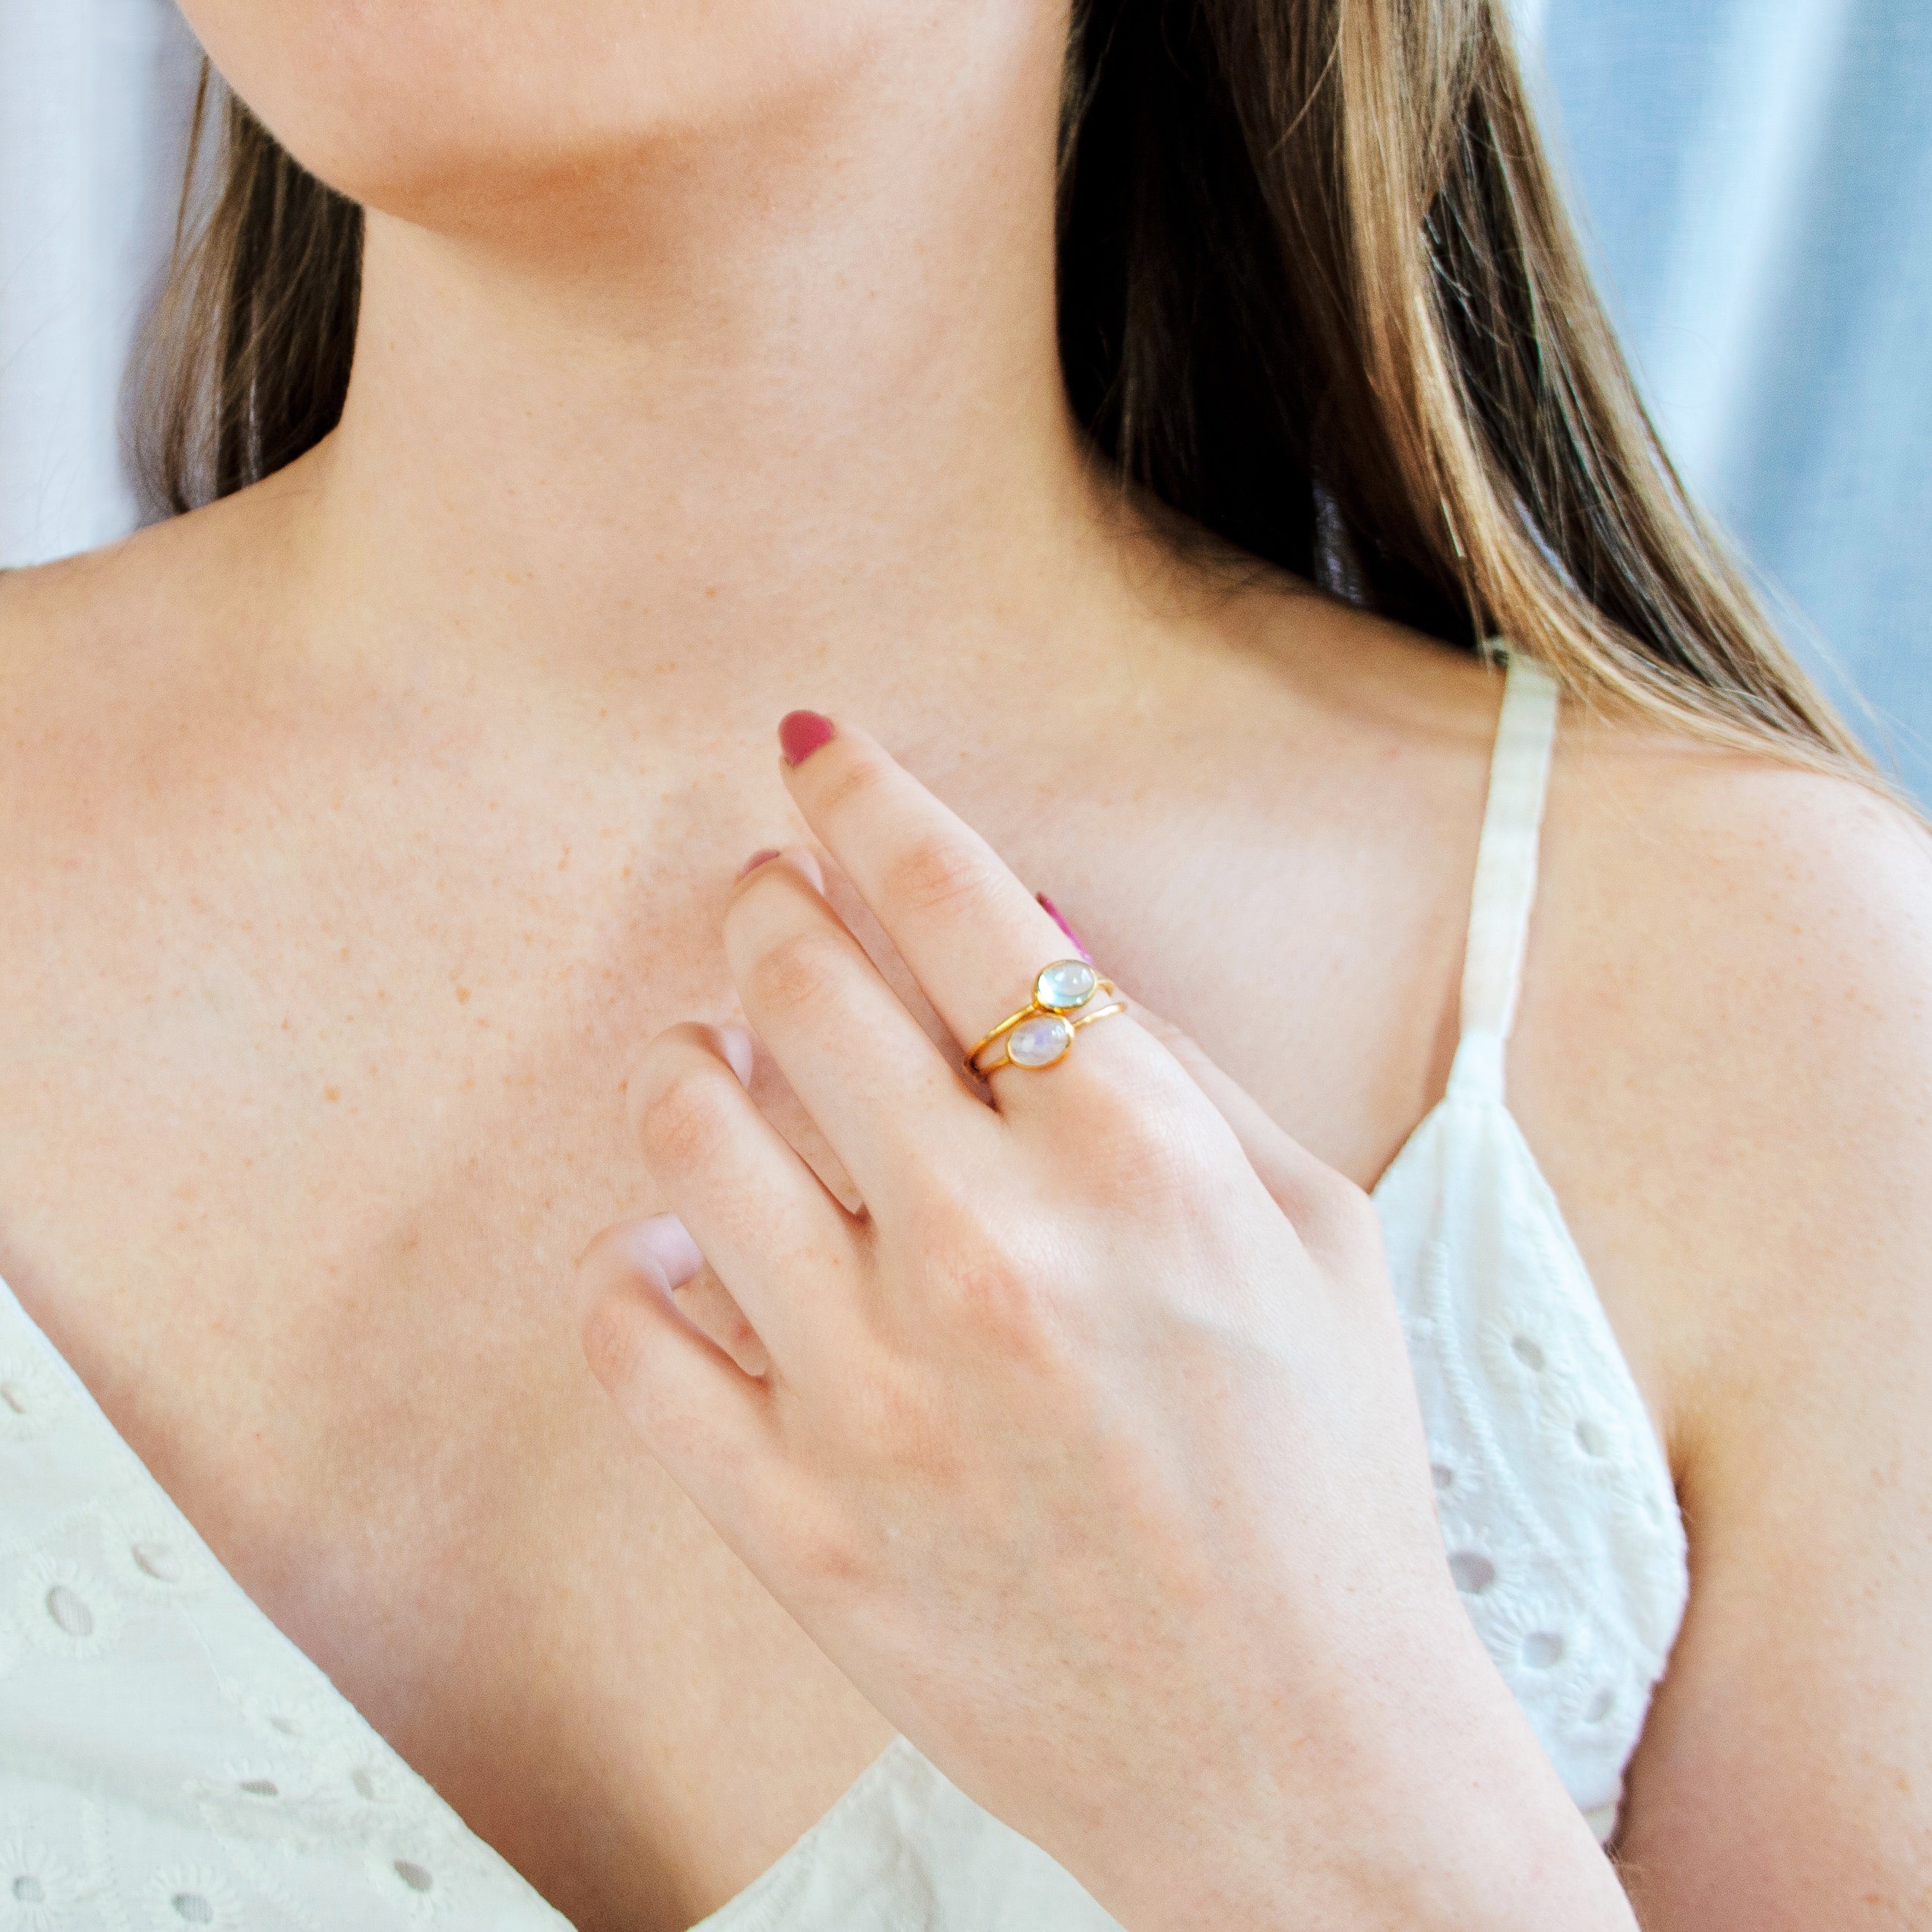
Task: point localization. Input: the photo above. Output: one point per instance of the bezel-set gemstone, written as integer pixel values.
(1039, 1041)
(1065, 986)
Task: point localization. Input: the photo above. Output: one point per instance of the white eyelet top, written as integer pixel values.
(169, 1759)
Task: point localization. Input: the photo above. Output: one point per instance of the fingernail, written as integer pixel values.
(663, 1241)
(1059, 918)
(801, 733)
(762, 856)
(737, 1043)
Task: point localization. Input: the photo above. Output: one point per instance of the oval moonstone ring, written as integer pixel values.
(1040, 1041)
(1066, 995)
(1065, 985)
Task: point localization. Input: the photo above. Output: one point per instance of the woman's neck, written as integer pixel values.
(766, 414)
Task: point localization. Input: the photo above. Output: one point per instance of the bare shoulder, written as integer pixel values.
(78, 635)
(54, 618)
(72, 650)
(124, 700)
(112, 663)
(1795, 906)
(1725, 1067)
(1726, 1058)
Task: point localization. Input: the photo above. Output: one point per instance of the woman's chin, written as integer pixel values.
(527, 101)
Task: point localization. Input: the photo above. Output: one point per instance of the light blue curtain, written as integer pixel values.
(1755, 180)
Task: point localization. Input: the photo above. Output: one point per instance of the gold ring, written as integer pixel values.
(1067, 994)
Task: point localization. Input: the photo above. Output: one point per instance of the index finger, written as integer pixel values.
(972, 934)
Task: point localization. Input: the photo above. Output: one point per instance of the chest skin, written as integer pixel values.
(313, 1062)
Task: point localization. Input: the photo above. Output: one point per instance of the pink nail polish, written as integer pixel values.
(801, 733)
(763, 855)
(1059, 918)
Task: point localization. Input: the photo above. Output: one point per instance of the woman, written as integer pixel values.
(709, 364)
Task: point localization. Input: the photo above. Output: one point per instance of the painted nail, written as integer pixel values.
(801, 733)
(763, 855)
(1059, 918)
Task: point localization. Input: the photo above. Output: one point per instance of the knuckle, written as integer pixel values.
(1004, 1304)
(825, 1558)
(1154, 1158)
(613, 1340)
(944, 1215)
(846, 786)
(909, 1424)
(684, 1116)
(677, 1435)
(935, 873)
(793, 973)
(625, 1343)
(989, 1289)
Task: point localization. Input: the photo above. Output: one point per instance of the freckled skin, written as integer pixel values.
(361, 829)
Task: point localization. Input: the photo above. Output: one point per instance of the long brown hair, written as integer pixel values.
(248, 352)
(1318, 294)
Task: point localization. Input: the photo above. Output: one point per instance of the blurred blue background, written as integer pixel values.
(1754, 178)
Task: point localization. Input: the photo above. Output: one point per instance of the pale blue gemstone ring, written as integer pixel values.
(1067, 994)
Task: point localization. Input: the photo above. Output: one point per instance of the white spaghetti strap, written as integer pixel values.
(1505, 887)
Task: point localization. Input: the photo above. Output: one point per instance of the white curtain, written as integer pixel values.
(1755, 177)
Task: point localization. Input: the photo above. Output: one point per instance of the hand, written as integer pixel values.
(1089, 1449)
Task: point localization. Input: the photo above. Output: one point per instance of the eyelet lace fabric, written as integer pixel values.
(168, 1760)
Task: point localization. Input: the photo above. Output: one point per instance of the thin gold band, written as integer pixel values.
(1074, 1021)
(1068, 990)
